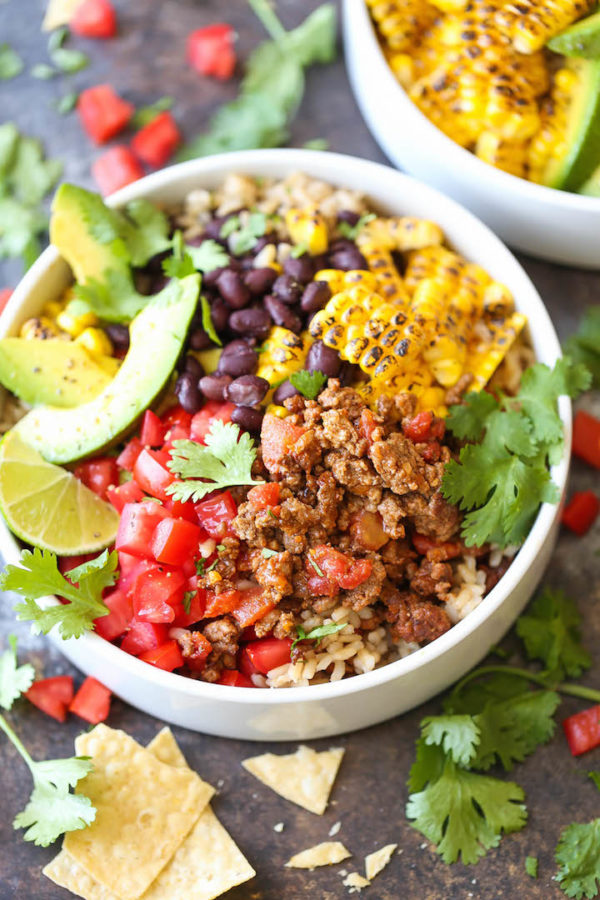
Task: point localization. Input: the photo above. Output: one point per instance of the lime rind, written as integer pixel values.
(581, 39)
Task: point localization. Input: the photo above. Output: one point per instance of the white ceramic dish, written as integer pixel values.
(554, 225)
(320, 710)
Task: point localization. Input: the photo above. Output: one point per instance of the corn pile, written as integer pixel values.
(478, 70)
(70, 320)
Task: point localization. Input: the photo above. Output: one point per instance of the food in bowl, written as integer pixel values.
(320, 483)
(507, 81)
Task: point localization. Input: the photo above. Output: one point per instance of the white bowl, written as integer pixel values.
(327, 709)
(554, 225)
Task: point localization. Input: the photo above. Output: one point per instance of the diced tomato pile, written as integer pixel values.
(56, 697)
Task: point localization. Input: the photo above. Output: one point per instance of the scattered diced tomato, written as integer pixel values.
(269, 653)
(153, 430)
(581, 511)
(5, 295)
(586, 438)
(320, 586)
(52, 695)
(156, 142)
(116, 168)
(367, 425)
(264, 496)
(168, 656)
(367, 530)
(583, 730)
(358, 572)
(151, 473)
(233, 678)
(174, 541)
(127, 457)
(128, 566)
(424, 427)
(103, 113)
(94, 19)
(346, 571)
(245, 664)
(202, 421)
(91, 702)
(177, 415)
(180, 510)
(277, 437)
(115, 623)
(210, 50)
(144, 636)
(444, 550)
(219, 604)
(215, 513)
(156, 591)
(196, 607)
(136, 527)
(252, 606)
(98, 474)
(129, 492)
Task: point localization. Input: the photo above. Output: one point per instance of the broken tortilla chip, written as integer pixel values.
(326, 854)
(355, 881)
(377, 861)
(59, 12)
(304, 777)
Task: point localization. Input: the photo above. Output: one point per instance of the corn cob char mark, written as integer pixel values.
(529, 24)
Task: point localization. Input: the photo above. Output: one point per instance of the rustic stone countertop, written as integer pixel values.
(145, 62)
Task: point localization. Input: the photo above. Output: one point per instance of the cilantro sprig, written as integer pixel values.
(318, 633)
(226, 460)
(11, 63)
(352, 231)
(502, 478)
(243, 236)
(52, 809)
(584, 345)
(578, 855)
(308, 383)
(38, 576)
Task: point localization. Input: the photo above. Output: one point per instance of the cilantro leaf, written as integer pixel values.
(43, 72)
(427, 767)
(226, 460)
(539, 392)
(117, 300)
(38, 577)
(352, 231)
(243, 237)
(207, 322)
(145, 230)
(14, 680)
(458, 736)
(584, 346)
(208, 256)
(11, 63)
(308, 383)
(512, 729)
(146, 114)
(578, 855)
(187, 601)
(67, 60)
(180, 264)
(464, 814)
(531, 866)
(266, 553)
(317, 633)
(316, 144)
(595, 776)
(51, 812)
(550, 630)
(67, 103)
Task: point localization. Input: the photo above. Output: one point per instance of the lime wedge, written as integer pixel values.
(47, 506)
(581, 39)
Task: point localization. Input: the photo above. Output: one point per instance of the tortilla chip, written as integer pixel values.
(66, 873)
(356, 882)
(326, 854)
(59, 12)
(144, 811)
(166, 749)
(304, 777)
(377, 861)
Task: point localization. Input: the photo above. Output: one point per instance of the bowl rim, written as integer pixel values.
(302, 160)
(356, 12)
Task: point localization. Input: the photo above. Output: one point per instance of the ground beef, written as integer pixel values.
(275, 572)
(399, 465)
(455, 394)
(432, 579)
(414, 619)
(223, 634)
(439, 520)
(369, 591)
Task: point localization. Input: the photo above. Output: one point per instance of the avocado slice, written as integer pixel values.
(591, 188)
(54, 372)
(581, 39)
(582, 133)
(157, 335)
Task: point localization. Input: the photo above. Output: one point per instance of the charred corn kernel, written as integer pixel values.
(359, 278)
(403, 233)
(213, 577)
(445, 357)
(333, 277)
(497, 299)
(75, 324)
(95, 341)
(433, 398)
(267, 258)
(404, 68)
(52, 309)
(550, 142)
(308, 228)
(387, 280)
(484, 356)
(401, 21)
(449, 6)
(40, 329)
(531, 23)
(284, 353)
(274, 410)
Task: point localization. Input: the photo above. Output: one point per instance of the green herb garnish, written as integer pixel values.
(578, 855)
(584, 345)
(208, 256)
(267, 553)
(308, 383)
(244, 237)
(316, 634)
(67, 60)
(146, 114)
(11, 63)
(531, 866)
(352, 231)
(226, 460)
(43, 72)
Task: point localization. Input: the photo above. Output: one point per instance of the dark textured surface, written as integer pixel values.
(145, 62)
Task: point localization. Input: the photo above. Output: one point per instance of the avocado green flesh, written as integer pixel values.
(582, 136)
(156, 338)
(581, 39)
(50, 372)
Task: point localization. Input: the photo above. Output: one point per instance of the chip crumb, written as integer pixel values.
(326, 854)
(305, 777)
(343, 872)
(423, 846)
(220, 782)
(279, 827)
(334, 829)
(377, 861)
(59, 12)
(355, 882)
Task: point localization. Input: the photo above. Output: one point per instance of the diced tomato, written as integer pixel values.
(94, 19)
(116, 168)
(277, 437)
(432, 452)
(143, 636)
(367, 425)
(233, 678)
(66, 563)
(319, 586)
(129, 492)
(196, 607)
(128, 567)
(215, 513)
(367, 530)
(174, 541)
(180, 510)
(151, 473)
(264, 496)
(103, 113)
(197, 651)
(136, 527)
(417, 429)
(583, 730)
(203, 419)
(156, 591)
(127, 457)
(168, 656)
(177, 415)
(219, 604)
(444, 550)
(210, 50)
(153, 430)
(245, 664)
(358, 572)
(52, 695)
(156, 142)
(5, 295)
(581, 512)
(586, 438)
(91, 702)
(115, 623)
(346, 571)
(98, 474)
(252, 606)
(269, 653)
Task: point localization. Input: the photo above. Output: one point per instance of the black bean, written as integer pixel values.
(187, 392)
(248, 418)
(300, 268)
(253, 321)
(341, 244)
(349, 374)
(157, 283)
(193, 366)
(284, 391)
(347, 215)
(262, 242)
(238, 358)
(209, 279)
(232, 289)
(287, 289)
(199, 340)
(219, 313)
(259, 281)
(248, 390)
(348, 258)
(323, 359)
(214, 387)
(212, 229)
(119, 336)
(282, 314)
(315, 296)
